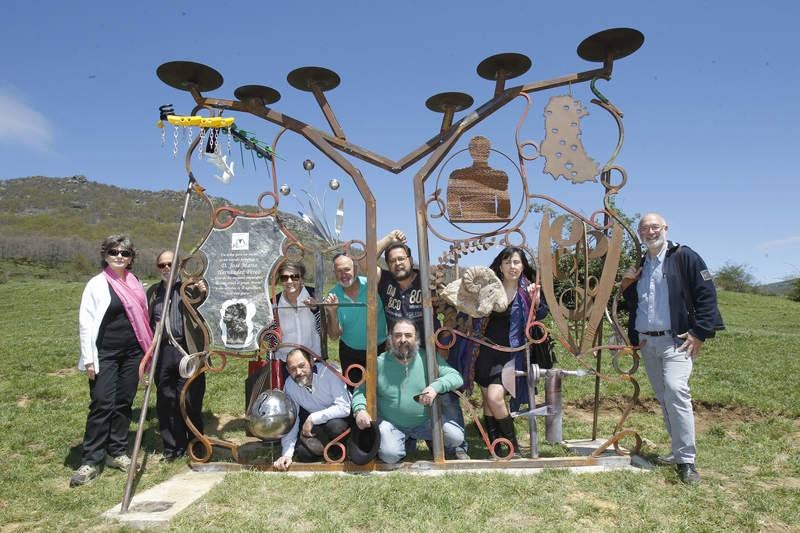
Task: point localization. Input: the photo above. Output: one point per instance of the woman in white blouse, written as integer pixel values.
(298, 315)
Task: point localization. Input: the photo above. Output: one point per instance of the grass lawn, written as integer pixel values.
(748, 406)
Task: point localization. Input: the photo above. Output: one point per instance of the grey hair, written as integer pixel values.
(119, 242)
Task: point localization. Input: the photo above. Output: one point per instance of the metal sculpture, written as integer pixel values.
(578, 316)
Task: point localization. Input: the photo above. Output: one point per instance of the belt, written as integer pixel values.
(654, 333)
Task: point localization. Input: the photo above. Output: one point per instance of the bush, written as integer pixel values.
(794, 294)
(735, 277)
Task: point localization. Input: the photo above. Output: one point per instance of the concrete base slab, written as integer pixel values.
(157, 505)
(609, 457)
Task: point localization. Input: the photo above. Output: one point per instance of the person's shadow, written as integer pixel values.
(150, 442)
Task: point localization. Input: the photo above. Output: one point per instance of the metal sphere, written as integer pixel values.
(272, 415)
(285, 190)
(308, 165)
(333, 184)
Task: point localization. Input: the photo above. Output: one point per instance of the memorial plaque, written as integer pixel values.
(239, 259)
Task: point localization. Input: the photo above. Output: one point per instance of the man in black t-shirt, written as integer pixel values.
(400, 287)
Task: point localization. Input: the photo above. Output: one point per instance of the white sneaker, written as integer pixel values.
(122, 462)
(83, 475)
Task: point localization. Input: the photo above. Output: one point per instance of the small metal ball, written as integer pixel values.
(308, 165)
(333, 184)
(285, 190)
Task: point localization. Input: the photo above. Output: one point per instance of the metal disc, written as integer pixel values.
(267, 95)
(182, 74)
(443, 101)
(512, 64)
(615, 43)
(304, 78)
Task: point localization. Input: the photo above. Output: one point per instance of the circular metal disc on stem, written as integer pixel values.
(614, 43)
(511, 63)
(267, 95)
(304, 78)
(443, 101)
(182, 74)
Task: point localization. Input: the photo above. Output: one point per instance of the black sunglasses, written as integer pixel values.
(287, 277)
(164, 265)
(115, 253)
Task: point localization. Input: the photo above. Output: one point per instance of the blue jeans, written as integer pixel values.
(393, 438)
(668, 371)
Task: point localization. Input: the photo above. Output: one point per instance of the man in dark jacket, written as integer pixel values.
(673, 310)
(174, 433)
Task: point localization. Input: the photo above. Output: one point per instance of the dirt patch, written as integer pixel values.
(791, 483)
(63, 372)
(593, 500)
(23, 401)
(16, 526)
(706, 415)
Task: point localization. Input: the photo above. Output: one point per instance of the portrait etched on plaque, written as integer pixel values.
(239, 259)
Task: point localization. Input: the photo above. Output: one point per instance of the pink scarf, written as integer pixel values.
(131, 294)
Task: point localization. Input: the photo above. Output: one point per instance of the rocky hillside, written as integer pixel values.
(57, 223)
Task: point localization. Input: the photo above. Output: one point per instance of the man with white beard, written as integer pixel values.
(404, 397)
(323, 409)
(673, 310)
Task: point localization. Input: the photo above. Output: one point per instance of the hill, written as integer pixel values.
(52, 226)
(779, 288)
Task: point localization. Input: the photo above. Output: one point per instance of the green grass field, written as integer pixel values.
(745, 386)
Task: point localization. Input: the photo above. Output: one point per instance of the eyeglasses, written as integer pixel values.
(164, 265)
(396, 260)
(651, 227)
(115, 253)
(287, 277)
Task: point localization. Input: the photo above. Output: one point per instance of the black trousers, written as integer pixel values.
(309, 449)
(174, 433)
(111, 392)
(350, 356)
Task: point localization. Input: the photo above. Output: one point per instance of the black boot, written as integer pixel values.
(505, 429)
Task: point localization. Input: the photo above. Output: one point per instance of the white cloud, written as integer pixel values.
(779, 243)
(21, 124)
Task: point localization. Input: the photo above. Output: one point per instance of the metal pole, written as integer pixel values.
(319, 287)
(126, 498)
(552, 394)
(599, 363)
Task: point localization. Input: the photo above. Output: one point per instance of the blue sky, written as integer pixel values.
(709, 101)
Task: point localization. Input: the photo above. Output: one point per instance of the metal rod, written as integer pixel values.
(319, 287)
(128, 495)
(327, 111)
(552, 393)
(599, 362)
(424, 263)
(533, 430)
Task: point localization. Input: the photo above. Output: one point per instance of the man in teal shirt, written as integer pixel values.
(349, 323)
(404, 398)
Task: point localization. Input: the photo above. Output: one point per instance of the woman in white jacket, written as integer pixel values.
(114, 332)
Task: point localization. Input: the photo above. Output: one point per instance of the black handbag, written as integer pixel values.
(542, 354)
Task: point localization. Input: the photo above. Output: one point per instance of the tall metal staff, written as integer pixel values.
(192, 185)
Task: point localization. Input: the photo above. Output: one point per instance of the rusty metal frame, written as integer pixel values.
(436, 149)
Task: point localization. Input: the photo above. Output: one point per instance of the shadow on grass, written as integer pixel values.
(74, 456)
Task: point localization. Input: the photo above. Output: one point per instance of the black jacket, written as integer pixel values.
(692, 296)
(193, 335)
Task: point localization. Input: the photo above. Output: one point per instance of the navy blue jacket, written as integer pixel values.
(701, 318)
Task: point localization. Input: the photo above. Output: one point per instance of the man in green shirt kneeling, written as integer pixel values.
(404, 398)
